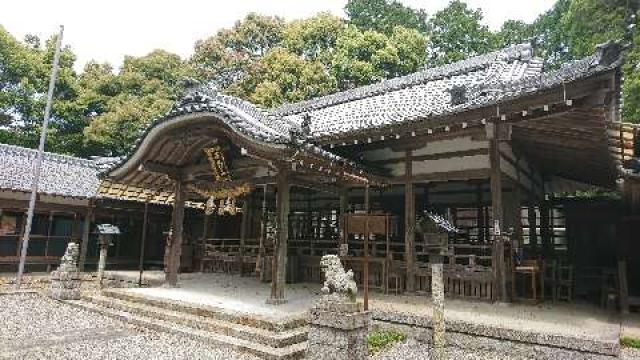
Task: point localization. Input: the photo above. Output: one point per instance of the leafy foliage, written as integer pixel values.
(379, 340)
(281, 76)
(384, 15)
(457, 32)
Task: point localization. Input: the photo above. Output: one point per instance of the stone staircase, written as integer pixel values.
(260, 336)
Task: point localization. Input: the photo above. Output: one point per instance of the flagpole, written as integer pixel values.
(38, 164)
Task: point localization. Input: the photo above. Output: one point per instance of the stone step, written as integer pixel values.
(291, 352)
(271, 338)
(253, 320)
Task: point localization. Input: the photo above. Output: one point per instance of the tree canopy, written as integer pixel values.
(269, 61)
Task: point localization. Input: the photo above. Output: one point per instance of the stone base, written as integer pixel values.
(271, 301)
(65, 285)
(338, 334)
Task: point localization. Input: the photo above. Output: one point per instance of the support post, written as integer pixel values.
(344, 204)
(263, 235)
(279, 268)
(409, 221)
(244, 224)
(143, 241)
(545, 230)
(86, 229)
(365, 269)
(533, 229)
(437, 297)
(176, 236)
(497, 211)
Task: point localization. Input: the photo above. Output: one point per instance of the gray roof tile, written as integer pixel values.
(61, 175)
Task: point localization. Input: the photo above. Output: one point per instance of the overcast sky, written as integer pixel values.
(108, 30)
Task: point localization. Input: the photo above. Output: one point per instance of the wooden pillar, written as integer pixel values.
(263, 235)
(244, 225)
(479, 212)
(177, 220)
(545, 230)
(86, 228)
(513, 213)
(143, 240)
(279, 268)
(533, 228)
(500, 278)
(409, 221)
(365, 270)
(344, 205)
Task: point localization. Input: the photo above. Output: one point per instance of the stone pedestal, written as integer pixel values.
(338, 331)
(66, 280)
(65, 285)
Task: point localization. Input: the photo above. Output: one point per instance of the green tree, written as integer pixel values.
(227, 55)
(281, 76)
(24, 77)
(513, 32)
(384, 15)
(120, 106)
(588, 23)
(314, 38)
(363, 57)
(457, 32)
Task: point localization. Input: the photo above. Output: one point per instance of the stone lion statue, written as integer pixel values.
(69, 261)
(338, 283)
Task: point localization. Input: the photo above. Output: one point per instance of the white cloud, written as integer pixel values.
(108, 30)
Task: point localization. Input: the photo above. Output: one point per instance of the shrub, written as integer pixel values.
(379, 340)
(630, 342)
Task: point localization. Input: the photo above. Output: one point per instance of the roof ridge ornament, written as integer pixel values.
(609, 53)
(196, 93)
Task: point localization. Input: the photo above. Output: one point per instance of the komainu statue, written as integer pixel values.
(338, 284)
(69, 261)
(66, 280)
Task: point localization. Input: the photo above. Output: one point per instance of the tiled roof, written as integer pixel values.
(244, 118)
(61, 175)
(474, 83)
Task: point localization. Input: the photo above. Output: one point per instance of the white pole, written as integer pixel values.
(38, 164)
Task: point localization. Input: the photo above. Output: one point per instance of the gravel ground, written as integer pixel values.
(35, 327)
(630, 354)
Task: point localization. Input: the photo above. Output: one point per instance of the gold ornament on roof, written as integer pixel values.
(227, 196)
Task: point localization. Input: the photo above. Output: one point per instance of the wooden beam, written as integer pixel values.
(172, 172)
(439, 156)
(279, 277)
(445, 176)
(176, 235)
(409, 221)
